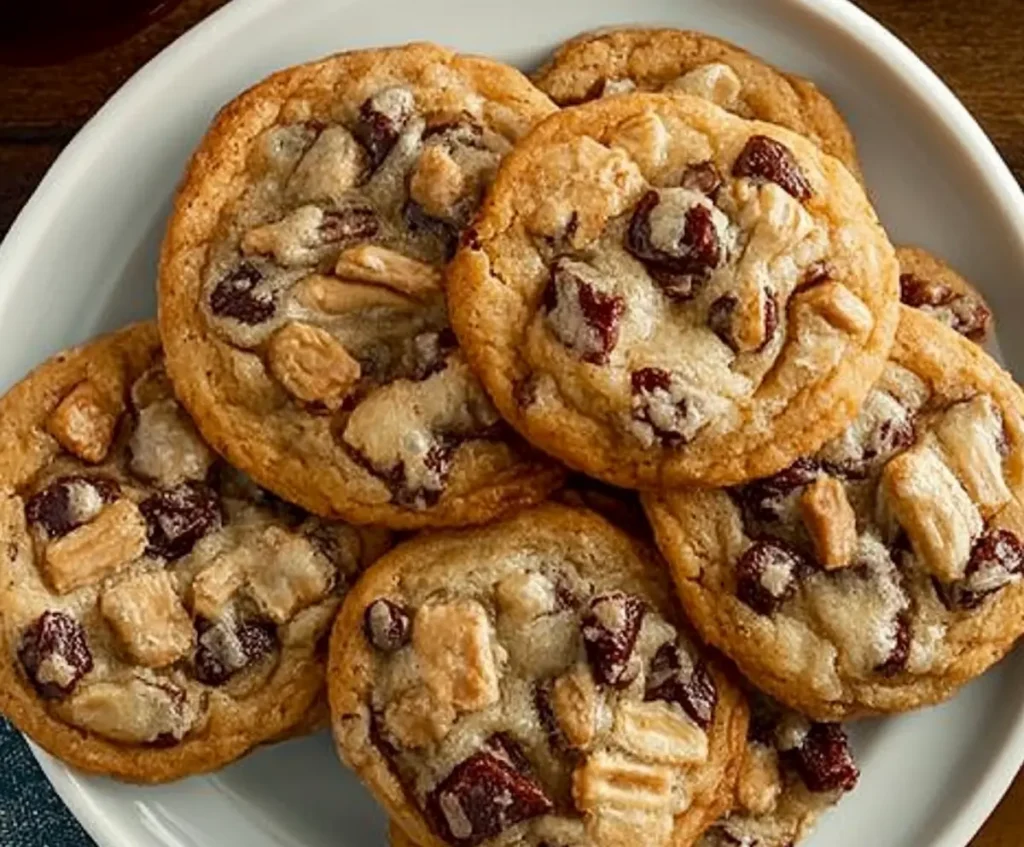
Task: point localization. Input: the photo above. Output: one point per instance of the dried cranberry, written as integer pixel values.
(823, 760)
(237, 297)
(546, 714)
(997, 559)
(419, 222)
(55, 654)
(386, 625)
(350, 224)
(681, 268)
(762, 499)
(767, 574)
(896, 661)
(720, 319)
(381, 120)
(610, 630)
(68, 502)
(703, 177)
(968, 315)
(178, 517)
(584, 319)
(223, 650)
(691, 686)
(482, 797)
(765, 159)
(888, 436)
(655, 405)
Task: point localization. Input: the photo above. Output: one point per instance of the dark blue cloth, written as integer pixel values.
(31, 814)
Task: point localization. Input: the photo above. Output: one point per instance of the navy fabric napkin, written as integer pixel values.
(31, 814)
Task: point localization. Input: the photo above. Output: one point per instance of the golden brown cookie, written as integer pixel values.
(529, 682)
(161, 615)
(616, 61)
(929, 284)
(301, 302)
(883, 572)
(660, 293)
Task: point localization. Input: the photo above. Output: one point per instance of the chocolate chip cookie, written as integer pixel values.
(161, 614)
(929, 284)
(793, 771)
(660, 293)
(884, 571)
(530, 682)
(301, 297)
(616, 61)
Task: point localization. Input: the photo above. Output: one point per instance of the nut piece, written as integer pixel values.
(839, 307)
(715, 82)
(312, 364)
(656, 732)
(381, 266)
(524, 597)
(84, 422)
(830, 521)
(759, 784)
(213, 587)
(148, 618)
(139, 710)
(625, 802)
(438, 182)
(332, 165)
(287, 574)
(166, 447)
(969, 434)
(452, 642)
(337, 297)
(417, 718)
(574, 703)
(115, 538)
(930, 504)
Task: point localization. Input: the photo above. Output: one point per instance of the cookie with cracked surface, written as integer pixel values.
(931, 285)
(529, 682)
(161, 615)
(883, 572)
(617, 61)
(660, 293)
(301, 298)
(793, 771)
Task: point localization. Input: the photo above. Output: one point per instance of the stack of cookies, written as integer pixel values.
(695, 487)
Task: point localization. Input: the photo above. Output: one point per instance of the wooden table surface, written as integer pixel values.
(976, 47)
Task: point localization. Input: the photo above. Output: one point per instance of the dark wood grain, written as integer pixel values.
(976, 47)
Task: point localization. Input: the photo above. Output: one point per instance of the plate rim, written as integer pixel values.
(841, 16)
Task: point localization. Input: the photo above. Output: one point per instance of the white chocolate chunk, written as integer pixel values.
(452, 642)
(969, 434)
(115, 538)
(657, 732)
(148, 619)
(166, 447)
(930, 504)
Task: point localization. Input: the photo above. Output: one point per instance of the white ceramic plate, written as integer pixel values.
(81, 259)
